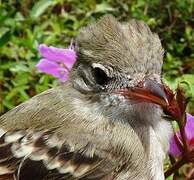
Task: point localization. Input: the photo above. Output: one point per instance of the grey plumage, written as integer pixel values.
(131, 46)
(120, 138)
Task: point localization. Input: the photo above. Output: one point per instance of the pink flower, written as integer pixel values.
(189, 130)
(56, 61)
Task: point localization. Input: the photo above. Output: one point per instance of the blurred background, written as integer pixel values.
(26, 23)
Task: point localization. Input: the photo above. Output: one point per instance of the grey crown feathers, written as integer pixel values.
(84, 129)
(131, 46)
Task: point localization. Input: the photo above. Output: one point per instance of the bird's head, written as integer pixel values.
(112, 57)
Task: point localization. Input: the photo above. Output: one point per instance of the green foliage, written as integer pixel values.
(26, 23)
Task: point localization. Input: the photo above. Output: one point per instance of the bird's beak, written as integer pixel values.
(147, 91)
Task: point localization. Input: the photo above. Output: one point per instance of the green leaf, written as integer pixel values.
(103, 7)
(5, 38)
(8, 104)
(19, 68)
(40, 7)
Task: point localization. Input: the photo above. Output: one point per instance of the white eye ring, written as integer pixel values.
(97, 65)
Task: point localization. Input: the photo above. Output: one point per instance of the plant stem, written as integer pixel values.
(175, 167)
(178, 142)
(183, 134)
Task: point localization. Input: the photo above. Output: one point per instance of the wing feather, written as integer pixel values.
(24, 153)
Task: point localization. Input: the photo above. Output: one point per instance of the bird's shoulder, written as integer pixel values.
(46, 109)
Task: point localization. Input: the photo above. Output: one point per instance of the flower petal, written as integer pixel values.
(60, 55)
(189, 130)
(69, 58)
(52, 68)
(174, 150)
(189, 127)
(64, 77)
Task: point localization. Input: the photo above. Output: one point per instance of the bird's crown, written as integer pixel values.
(129, 46)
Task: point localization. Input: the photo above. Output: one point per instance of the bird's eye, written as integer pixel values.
(100, 76)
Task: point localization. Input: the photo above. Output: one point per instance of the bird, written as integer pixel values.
(85, 128)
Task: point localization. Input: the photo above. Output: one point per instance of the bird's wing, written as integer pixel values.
(29, 148)
(27, 154)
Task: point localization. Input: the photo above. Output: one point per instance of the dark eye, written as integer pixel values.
(100, 76)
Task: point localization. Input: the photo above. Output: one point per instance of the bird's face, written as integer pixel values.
(113, 57)
(104, 86)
